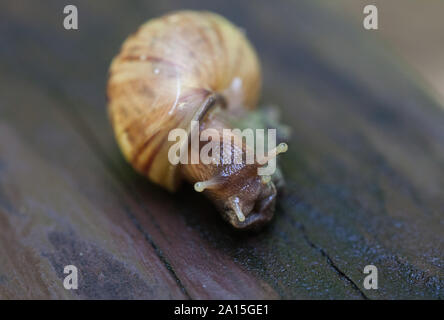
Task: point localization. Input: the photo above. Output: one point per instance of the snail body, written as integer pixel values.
(183, 67)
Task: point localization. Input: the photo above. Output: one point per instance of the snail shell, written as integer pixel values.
(176, 69)
(166, 75)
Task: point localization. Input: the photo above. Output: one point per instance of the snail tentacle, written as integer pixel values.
(237, 209)
(265, 179)
(200, 186)
(281, 148)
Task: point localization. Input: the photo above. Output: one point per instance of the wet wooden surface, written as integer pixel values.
(365, 169)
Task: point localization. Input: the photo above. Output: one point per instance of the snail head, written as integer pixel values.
(245, 199)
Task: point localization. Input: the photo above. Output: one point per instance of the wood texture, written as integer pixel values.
(365, 168)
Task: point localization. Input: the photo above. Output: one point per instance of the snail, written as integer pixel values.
(184, 67)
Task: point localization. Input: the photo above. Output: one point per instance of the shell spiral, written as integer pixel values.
(163, 77)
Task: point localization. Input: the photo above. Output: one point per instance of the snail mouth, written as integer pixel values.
(258, 217)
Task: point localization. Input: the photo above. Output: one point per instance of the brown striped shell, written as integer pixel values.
(167, 74)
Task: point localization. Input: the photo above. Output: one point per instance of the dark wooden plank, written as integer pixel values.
(365, 168)
(366, 176)
(54, 211)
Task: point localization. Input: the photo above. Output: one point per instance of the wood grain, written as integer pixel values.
(365, 170)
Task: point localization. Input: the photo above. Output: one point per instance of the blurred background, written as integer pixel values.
(413, 29)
